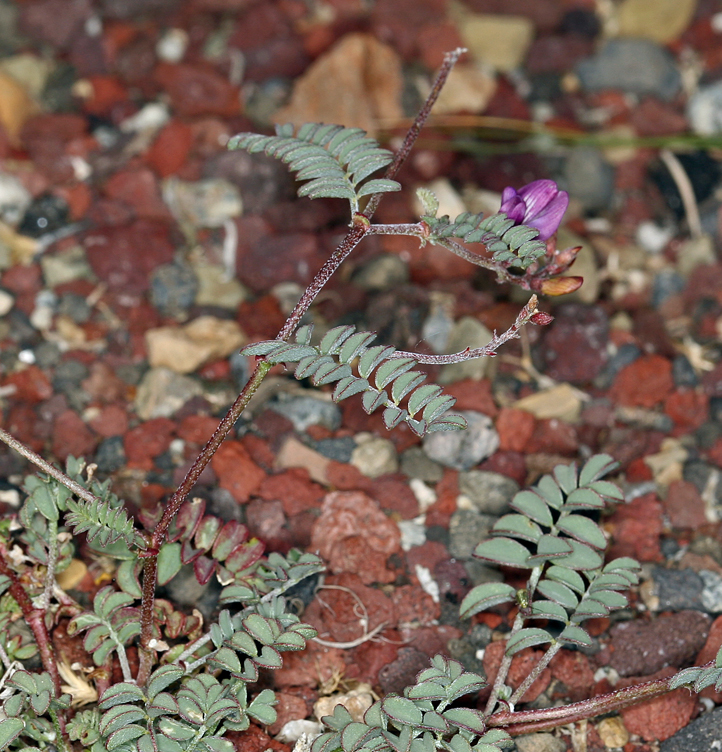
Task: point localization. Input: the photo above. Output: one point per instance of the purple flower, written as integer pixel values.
(540, 204)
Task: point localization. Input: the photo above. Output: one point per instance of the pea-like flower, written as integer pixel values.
(540, 204)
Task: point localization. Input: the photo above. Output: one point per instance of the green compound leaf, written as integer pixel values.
(574, 635)
(519, 526)
(335, 160)
(559, 593)
(402, 710)
(471, 720)
(596, 467)
(169, 562)
(504, 551)
(582, 557)
(485, 596)
(567, 576)
(584, 530)
(534, 506)
(526, 638)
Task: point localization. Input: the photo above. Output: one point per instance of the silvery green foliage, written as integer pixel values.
(336, 161)
(422, 720)
(510, 244)
(201, 691)
(553, 534)
(383, 381)
(698, 678)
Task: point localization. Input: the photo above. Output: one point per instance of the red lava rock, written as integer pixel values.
(168, 153)
(267, 522)
(72, 436)
(106, 93)
(652, 117)
(453, 580)
(55, 22)
(434, 40)
(553, 436)
(447, 489)
(427, 555)
(575, 343)
(662, 717)
(259, 451)
(148, 440)
(684, 505)
(354, 535)
(288, 708)
(196, 90)
(522, 663)
(22, 422)
(636, 529)
(394, 495)
(688, 409)
(511, 464)
(138, 188)
(473, 395)
(365, 662)
(644, 383)
(573, 670)
(278, 258)
(31, 385)
(557, 53)
(414, 606)
(236, 471)
(261, 318)
(294, 489)
(641, 648)
(103, 384)
(113, 254)
(515, 429)
(310, 667)
(402, 672)
(253, 739)
(112, 420)
(197, 429)
(345, 477)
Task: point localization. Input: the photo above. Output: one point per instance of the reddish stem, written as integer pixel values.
(527, 721)
(36, 621)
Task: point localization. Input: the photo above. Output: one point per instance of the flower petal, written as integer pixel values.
(537, 195)
(513, 205)
(547, 220)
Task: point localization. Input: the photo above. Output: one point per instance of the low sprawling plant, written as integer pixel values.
(183, 685)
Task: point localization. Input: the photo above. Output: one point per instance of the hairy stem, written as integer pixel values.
(145, 653)
(46, 467)
(507, 659)
(52, 561)
(450, 60)
(520, 691)
(527, 721)
(36, 621)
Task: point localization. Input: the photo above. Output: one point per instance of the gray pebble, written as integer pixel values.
(678, 589)
(466, 530)
(382, 272)
(490, 493)
(308, 411)
(589, 178)
(704, 109)
(712, 593)
(540, 743)
(464, 449)
(415, 464)
(336, 449)
(702, 735)
(110, 454)
(637, 66)
(173, 288)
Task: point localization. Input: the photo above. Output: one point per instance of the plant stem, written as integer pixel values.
(35, 620)
(450, 60)
(145, 653)
(52, 561)
(527, 721)
(520, 691)
(53, 472)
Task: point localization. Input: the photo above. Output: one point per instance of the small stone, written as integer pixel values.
(612, 732)
(295, 454)
(185, 349)
(684, 505)
(499, 41)
(383, 272)
(195, 90)
(467, 529)
(677, 590)
(521, 665)
(467, 332)
(589, 178)
(701, 735)
(65, 266)
(173, 288)
(202, 203)
(72, 436)
(575, 344)
(7, 301)
(216, 289)
(463, 449)
(562, 402)
(712, 593)
(637, 66)
(641, 649)
(644, 383)
(148, 440)
(354, 535)
(468, 89)
(704, 109)
(374, 456)
(72, 575)
(161, 393)
(110, 455)
(540, 743)
(308, 411)
(14, 199)
(662, 21)
(292, 731)
(340, 449)
(489, 493)
(236, 471)
(16, 107)
(46, 214)
(416, 465)
(358, 82)
(402, 672)
(683, 372)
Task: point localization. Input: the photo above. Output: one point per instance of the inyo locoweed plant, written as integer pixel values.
(190, 685)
